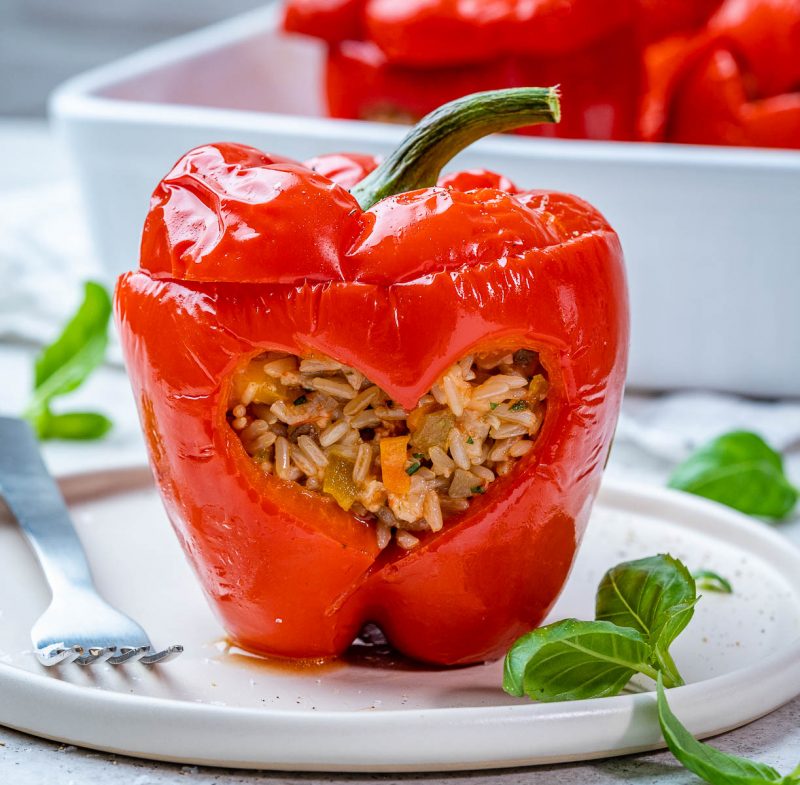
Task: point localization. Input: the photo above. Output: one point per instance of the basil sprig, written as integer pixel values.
(739, 469)
(641, 607)
(65, 364)
(655, 596)
(708, 763)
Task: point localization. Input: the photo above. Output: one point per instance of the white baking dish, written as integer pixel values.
(710, 234)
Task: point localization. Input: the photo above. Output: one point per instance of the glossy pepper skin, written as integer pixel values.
(393, 60)
(735, 82)
(244, 252)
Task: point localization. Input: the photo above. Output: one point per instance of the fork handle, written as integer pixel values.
(36, 502)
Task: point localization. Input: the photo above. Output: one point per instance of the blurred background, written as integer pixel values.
(42, 42)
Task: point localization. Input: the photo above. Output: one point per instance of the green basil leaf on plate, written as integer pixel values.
(739, 469)
(708, 763)
(573, 660)
(708, 580)
(655, 596)
(65, 364)
(73, 425)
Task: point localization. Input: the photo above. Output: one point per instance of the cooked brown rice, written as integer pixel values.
(319, 423)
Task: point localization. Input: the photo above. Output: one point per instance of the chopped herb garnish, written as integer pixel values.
(300, 401)
(470, 440)
(414, 468)
(519, 406)
(493, 405)
(478, 489)
(419, 456)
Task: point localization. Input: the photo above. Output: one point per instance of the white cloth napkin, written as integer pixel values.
(672, 425)
(656, 432)
(45, 254)
(45, 257)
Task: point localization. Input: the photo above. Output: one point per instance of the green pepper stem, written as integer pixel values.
(446, 131)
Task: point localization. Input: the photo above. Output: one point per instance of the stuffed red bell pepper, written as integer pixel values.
(391, 60)
(387, 404)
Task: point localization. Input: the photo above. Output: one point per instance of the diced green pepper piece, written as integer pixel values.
(433, 430)
(339, 481)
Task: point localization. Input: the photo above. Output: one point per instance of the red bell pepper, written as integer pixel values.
(664, 18)
(737, 82)
(330, 20)
(399, 61)
(244, 251)
(595, 107)
(427, 33)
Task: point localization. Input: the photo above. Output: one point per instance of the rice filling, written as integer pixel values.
(324, 425)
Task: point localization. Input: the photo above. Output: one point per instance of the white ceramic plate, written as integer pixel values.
(740, 655)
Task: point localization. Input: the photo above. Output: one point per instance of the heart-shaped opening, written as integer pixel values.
(324, 425)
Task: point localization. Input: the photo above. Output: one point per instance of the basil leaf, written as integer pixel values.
(707, 580)
(655, 596)
(517, 659)
(573, 660)
(74, 425)
(708, 763)
(739, 469)
(65, 364)
(640, 593)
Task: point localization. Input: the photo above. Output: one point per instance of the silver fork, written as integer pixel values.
(78, 625)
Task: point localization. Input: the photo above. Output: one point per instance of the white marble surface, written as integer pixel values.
(652, 436)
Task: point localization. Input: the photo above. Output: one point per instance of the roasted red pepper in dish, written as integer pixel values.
(663, 18)
(391, 404)
(736, 82)
(393, 60)
(595, 107)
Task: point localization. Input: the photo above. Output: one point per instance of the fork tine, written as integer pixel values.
(57, 655)
(129, 654)
(96, 655)
(160, 657)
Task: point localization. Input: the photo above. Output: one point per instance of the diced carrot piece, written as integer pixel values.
(393, 464)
